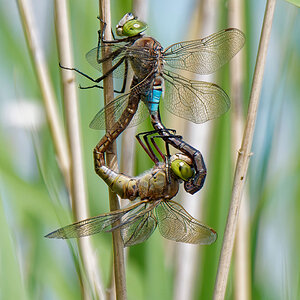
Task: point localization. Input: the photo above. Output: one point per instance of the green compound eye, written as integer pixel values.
(182, 169)
(133, 27)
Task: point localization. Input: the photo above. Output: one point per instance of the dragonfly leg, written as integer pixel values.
(125, 77)
(101, 32)
(99, 79)
(77, 71)
(99, 87)
(166, 143)
(147, 148)
(114, 40)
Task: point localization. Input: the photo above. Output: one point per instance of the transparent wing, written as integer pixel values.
(176, 224)
(196, 101)
(140, 230)
(128, 217)
(117, 57)
(205, 56)
(139, 56)
(119, 107)
(114, 111)
(89, 226)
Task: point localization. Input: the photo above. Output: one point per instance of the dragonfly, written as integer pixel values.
(156, 74)
(152, 206)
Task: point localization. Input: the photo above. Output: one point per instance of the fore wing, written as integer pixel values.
(207, 55)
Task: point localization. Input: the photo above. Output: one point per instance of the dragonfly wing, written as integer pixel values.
(140, 230)
(89, 226)
(205, 56)
(139, 56)
(94, 58)
(197, 101)
(176, 224)
(113, 112)
(117, 107)
(105, 222)
(141, 115)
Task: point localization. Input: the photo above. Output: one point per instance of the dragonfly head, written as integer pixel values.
(181, 165)
(130, 26)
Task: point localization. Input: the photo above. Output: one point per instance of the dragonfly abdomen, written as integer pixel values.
(152, 101)
(153, 96)
(123, 185)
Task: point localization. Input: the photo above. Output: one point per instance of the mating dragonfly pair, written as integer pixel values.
(197, 101)
(154, 207)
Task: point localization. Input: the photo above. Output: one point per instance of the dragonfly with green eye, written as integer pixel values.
(153, 206)
(155, 74)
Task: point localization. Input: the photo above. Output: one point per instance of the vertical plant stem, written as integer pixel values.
(78, 186)
(111, 160)
(242, 272)
(48, 95)
(243, 156)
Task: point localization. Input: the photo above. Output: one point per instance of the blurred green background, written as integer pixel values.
(34, 200)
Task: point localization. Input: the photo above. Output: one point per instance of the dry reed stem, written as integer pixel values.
(111, 160)
(242, 271)
(243, 156)
(48, 95)
(78, 185)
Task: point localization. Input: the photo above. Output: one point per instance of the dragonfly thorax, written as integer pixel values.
(149, 60)
(157, 184)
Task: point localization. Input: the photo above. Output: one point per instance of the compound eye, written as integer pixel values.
(133, 27)
(182, 169)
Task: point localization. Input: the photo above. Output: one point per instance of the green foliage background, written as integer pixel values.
(34, 200)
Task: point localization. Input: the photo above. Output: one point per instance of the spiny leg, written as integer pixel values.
(146, 146)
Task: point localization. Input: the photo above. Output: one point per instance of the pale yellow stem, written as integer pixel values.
(111, 160)
(243, 156)
(78, 186)
(48, 95)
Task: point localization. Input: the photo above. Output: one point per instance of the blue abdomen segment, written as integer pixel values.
(152, 100)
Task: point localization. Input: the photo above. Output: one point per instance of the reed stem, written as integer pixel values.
(50, 103)
(111, 160)
(243, 156)
(242, 270)
(92, 285)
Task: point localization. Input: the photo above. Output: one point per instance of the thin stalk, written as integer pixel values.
(242, 270)
(243, 156)
(78, 185)
(44, 82)
(111, 160)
